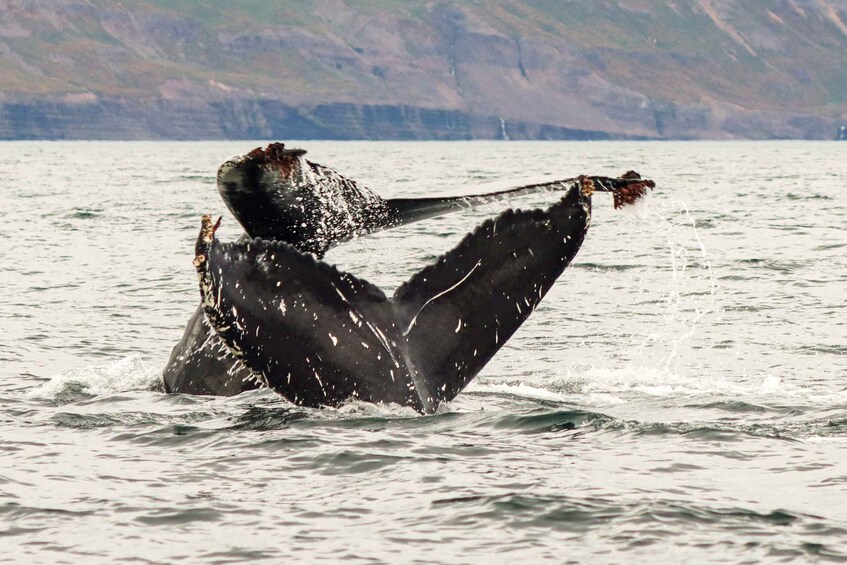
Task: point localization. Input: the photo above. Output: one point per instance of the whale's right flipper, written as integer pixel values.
(320, 336)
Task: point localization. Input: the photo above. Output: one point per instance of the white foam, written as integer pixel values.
(603, 386)
(819, 439)
(361, 408)
(661, 382)
(123, 375)
(531, 392)
(646, 380)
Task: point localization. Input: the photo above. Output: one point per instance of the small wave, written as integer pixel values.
(691, 526)
(266, 418)
(833, 349)
(780, 266)
(817, 196)
(601, 268)
(551, 421)
(15, 511)
(84, 213)
(733, 406)
(563, 512)
(181, 516)
(92, 421)
(724, 432)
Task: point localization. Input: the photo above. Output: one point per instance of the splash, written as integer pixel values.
(687, 302)
(123, 375)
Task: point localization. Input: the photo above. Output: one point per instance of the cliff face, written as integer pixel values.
(401, 69)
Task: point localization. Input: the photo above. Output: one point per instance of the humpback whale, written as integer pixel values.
(320, 337)
(275, 193)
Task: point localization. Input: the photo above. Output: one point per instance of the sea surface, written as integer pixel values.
(679, 396)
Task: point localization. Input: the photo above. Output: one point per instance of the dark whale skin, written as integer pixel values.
(321, 337)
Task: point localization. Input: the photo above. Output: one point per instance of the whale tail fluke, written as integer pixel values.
(320, 336)
(276, 193)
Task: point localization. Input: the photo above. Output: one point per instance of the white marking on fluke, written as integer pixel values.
(439, 295)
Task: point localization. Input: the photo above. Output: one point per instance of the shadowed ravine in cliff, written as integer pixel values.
(612, 69)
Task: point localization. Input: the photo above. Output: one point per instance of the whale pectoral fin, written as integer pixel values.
(314, 334)
(457, 313)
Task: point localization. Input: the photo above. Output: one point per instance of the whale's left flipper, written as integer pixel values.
(320, 336)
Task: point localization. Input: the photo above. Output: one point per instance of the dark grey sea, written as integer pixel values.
(679, 396)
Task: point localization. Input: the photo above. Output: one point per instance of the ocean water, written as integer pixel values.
(679, 396)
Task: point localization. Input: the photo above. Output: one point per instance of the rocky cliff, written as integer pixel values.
(407, 69)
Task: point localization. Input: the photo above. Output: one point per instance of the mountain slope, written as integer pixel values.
(412, 69)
